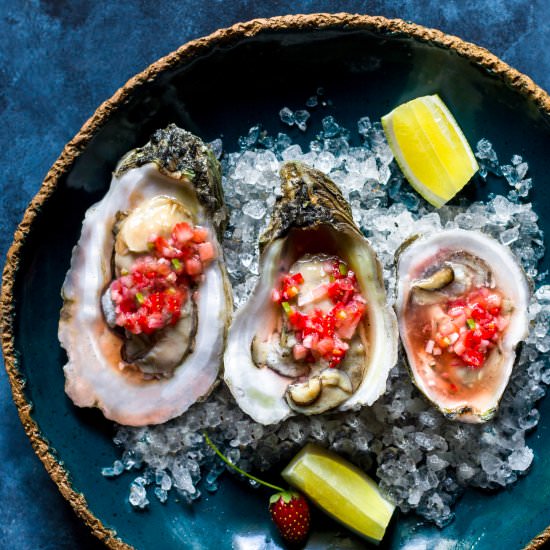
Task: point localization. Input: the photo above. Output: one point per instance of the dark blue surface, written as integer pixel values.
(58, 62)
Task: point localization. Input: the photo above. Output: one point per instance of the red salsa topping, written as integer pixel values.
(151, 295)
(322, 333)
(466, 329)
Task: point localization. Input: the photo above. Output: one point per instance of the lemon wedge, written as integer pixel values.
(430, 148)
(341, 490)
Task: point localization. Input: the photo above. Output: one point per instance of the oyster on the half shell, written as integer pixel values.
(461, 305)
(148, 376)
(274, 371)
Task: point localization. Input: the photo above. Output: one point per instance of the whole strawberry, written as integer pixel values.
(290, 513)
(289, 510)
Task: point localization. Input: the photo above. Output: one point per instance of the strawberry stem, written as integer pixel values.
(236, 468)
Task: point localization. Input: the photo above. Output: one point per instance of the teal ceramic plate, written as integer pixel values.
(221, 85)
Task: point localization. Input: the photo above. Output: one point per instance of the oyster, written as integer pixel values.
(316, 335)
(462, 302)
(144, 316)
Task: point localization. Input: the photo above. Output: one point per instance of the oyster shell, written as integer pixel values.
(461, 305)
(310, 222)
(146, 379)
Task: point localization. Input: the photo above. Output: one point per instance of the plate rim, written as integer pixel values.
(345, 22)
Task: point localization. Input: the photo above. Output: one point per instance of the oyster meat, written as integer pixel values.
(461, 305)
(316, 334)
(146, 302)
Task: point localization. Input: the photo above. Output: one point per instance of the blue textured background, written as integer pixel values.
(60, 60)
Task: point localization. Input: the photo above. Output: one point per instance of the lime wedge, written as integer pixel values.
(341, 490)
(430, 148)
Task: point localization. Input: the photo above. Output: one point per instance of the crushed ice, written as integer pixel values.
(423, 462)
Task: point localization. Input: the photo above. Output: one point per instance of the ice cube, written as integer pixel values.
(521, 459)
(287, 116)
(255, 209)
(312, 101)
(509, 236)
(301, 118)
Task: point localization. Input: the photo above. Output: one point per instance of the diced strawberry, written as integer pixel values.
(155, 321)
(347, 330)
(479, 313)
(459, 303)
(325, 346)
(329, 324)
(193, 266)
(206, 252)
(126, 306)
(290, 286)
(459, 321)
(472, 339)
(165, 248)
(483, 345)
(173, 302)
(297, 320)
(488, 330)
(340, 347)
(311, 340)
(473, 358)
(154, 302)
(459, 348)
(160, 244)
(483, 291)
(163, 267)
(341, 290)
(182, 233)
(200, 234)
(457, 311)
(446, 328)
(126, 281)
(494, 300)
(299, 352)
(314, 322)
